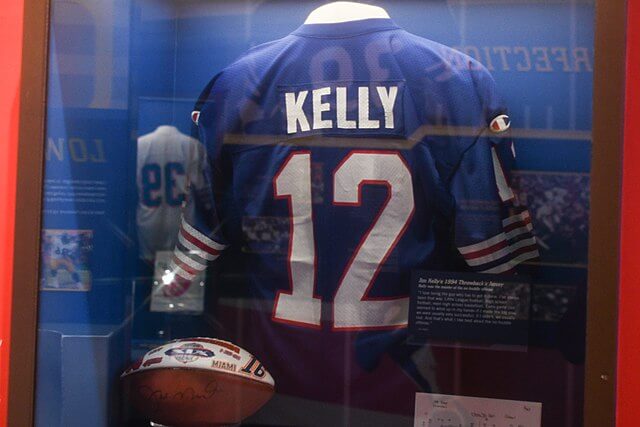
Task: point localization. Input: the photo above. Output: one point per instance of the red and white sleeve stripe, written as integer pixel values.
(190, 256)
(501, 253)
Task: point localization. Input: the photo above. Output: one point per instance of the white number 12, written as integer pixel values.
(353, 309)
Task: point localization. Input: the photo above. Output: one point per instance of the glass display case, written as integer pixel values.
(305, 213)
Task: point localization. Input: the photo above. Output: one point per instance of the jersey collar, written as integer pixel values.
(345, 29)
(344, 19)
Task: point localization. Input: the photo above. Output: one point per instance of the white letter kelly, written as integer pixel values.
(319, 107)
(295, 113)
(365, 121)
(388, 100)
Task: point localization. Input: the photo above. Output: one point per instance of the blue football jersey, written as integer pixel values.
(345, 155)
(340, 158)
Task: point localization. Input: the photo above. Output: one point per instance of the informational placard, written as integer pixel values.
(190, 302)
(441, 410)
(89, 183)
(481, 308)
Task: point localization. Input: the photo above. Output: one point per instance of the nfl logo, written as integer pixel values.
(500, 124)
(189, 352)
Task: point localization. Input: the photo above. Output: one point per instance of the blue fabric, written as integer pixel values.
(439, 125)
(446, 101)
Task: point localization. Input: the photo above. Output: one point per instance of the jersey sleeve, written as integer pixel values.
(196, 155)
(493, 231)
(200, 239)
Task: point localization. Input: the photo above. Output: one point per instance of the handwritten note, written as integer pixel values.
(440, 410)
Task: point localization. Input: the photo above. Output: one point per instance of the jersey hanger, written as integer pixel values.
(345, 11)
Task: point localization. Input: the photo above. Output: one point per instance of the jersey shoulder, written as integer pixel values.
(250, 67)
(461, 79)
(443, 63)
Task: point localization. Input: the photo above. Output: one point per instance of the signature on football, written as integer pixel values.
(187, 394)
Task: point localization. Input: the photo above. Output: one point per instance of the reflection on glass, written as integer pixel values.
(335, 173)
(167, 162)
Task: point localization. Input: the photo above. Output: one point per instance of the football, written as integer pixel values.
(197, 382)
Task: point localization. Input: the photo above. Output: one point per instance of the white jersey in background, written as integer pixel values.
(167, 162)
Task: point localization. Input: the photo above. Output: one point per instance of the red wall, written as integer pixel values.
(11, 18)
(628, 404)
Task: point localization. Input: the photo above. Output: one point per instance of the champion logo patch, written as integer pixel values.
(195, 116)
(500, 124)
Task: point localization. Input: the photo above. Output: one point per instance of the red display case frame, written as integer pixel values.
(11, 29)
(628, 377)
(612, 381)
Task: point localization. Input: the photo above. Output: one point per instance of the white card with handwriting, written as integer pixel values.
(441, 410)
